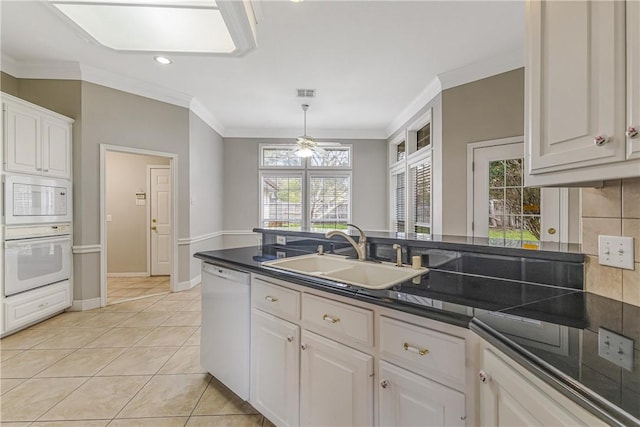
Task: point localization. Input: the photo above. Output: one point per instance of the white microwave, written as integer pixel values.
(30, 200)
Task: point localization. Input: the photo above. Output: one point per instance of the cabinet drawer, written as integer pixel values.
(337, 320)
(275, 299)
(424, 351)
(35, 305)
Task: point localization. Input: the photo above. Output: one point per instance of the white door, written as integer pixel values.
(336, 384)
(407, 399)
(503, 209)
(160, 221)
(275, 368)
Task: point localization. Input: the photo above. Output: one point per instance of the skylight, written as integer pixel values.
(188, 26)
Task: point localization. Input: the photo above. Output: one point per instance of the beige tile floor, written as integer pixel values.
(131, 364)
(121, 289)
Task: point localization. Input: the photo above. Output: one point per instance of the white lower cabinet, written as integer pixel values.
(407, 399)
(35, 305)
(315, 357)
(275, 367)
(511, 396)
(336, 384)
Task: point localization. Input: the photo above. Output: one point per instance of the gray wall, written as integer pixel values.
(483, 110)
(126, 174)
(206, 179)
(369, 193)
(8, 84)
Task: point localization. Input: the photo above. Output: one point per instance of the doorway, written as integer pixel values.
(504, 211)
(137, 224)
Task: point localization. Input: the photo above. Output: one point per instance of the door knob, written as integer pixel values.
(154, 220)
(154, 228)
(551, 231)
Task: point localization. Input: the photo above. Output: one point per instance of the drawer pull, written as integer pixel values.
(420, 351)
(330, 319)
(43, 305)
(270, 298)
(290, 338)
(384, 384)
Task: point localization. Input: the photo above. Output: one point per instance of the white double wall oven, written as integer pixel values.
(37, 248)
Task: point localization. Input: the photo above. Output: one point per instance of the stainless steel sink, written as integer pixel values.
(343, 270)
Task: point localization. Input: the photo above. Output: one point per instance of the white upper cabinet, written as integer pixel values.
(633, 80)
(37, 141)
(576, 94)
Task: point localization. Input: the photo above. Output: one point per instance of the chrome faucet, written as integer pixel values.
(398, 250)
(360, 247)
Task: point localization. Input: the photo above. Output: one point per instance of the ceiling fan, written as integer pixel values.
(306, 145)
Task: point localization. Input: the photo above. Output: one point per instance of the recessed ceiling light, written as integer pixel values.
(162, 60)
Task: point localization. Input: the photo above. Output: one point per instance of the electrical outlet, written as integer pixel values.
(616, 251)
(109, 218)
(615, 348)
(281, 254)
(281, 240)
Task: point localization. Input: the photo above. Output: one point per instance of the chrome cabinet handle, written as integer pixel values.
(484, 377)
(632, 132)
(384, 384)
(270, 298)
(420, 351)
(330, 319)
(290, 338)
(303, 347)
(600, 140)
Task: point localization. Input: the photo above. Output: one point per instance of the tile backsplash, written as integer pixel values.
(612, 210)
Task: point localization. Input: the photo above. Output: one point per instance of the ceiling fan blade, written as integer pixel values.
(329, 144)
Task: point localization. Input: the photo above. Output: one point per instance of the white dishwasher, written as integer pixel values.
(226, 323)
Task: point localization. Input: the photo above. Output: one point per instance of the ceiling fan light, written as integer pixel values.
(304, 152)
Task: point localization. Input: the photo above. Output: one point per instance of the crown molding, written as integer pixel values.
(319, 134)
(205, 115)
(134, 86)
(483, 69)
(469, 73)
(41, 70)
(427, 95)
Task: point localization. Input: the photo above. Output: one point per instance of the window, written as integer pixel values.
(410, 183)
(401, 151)
(313, 193)
(421, 191)
(399, 200)
(423, 137)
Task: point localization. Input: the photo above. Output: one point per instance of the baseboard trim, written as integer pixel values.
(85, 304)
(140, 274)
(189, 284)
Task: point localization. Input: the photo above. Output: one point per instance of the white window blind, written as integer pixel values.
(421, 191)
(400, 201)
(282, 201)
(329, 199)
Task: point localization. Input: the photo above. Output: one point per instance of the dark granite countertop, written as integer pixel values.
(550, 330)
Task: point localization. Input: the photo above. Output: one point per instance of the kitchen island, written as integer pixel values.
(549, 330)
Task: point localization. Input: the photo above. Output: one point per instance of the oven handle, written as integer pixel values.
(30, 242)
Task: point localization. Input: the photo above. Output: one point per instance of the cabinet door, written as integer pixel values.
(575, 84)
(336, 384)
(56, 148)
(633, 78)
(23, 147)
(407, 399)
(509, 398)
(275, 368)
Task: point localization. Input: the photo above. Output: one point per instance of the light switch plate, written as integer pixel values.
(615, 348)
(281, 240)
(616, 251)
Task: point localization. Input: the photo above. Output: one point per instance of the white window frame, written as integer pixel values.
(305, 171)
(327, 173)
(280, 174)
(413, 158)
